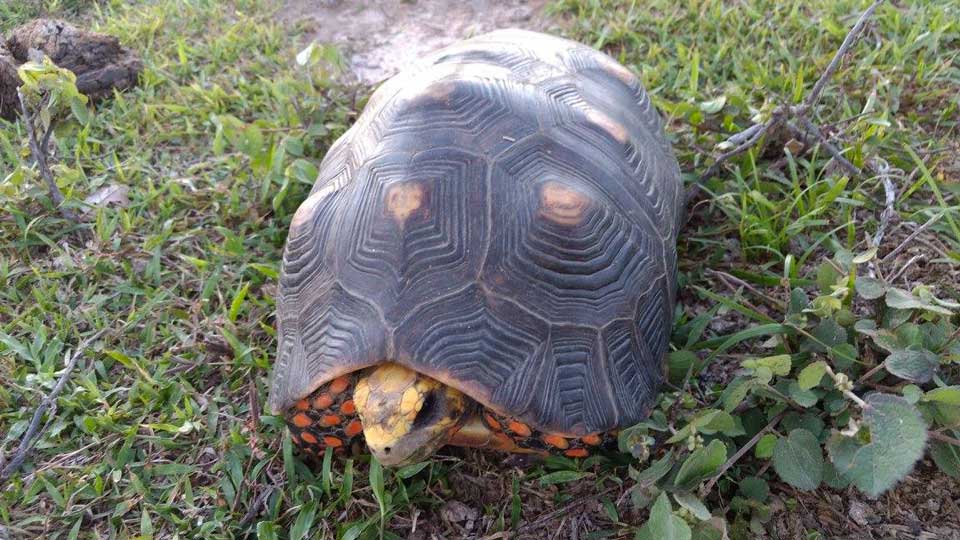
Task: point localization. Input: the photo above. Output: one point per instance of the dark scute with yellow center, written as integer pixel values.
(501, 219)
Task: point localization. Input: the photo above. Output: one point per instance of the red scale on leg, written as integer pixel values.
(326, 418)
(530, 439)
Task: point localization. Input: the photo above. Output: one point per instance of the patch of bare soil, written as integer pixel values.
(381, 37)
(924, 506)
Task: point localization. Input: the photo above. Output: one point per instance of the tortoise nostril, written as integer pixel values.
(386, 450)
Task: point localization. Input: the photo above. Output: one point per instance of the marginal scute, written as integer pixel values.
(305, 212)
(502, 218)
(608, 125)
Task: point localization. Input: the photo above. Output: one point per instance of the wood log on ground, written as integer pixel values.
(100, 63)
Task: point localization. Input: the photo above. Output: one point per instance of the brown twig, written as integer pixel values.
(944, 438)
(906, 241)
(746, 139)
(752, 135)
(873, 371)
(852, 36)
(33, 431)
(743, 450)
(809, 128)
(39, 150)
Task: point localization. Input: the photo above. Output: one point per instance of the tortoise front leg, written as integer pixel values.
(326, 418)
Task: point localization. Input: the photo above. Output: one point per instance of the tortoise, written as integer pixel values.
(487, 259)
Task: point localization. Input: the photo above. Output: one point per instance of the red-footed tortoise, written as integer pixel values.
(487, 259)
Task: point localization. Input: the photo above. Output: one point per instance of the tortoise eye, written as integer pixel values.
(429, 411)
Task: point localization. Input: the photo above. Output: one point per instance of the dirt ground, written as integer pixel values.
(380, 37)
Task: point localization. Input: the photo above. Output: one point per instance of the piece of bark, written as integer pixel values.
(100, 63)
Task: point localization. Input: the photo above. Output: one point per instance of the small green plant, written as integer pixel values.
(47, 96)
(858, 383)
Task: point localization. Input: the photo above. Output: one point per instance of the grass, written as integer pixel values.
(157, 435)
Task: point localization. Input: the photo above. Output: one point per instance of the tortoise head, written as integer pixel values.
(406, 416)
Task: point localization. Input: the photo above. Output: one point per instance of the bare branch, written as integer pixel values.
(33, 430)
(852, 36)
(936, 435)
(809, 128)
(756, 131)
(736, 457)
(747, 138)
(906, 241)
(39, 150)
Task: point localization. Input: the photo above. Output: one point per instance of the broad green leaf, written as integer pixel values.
(870, 288)
(680, 363)
(720, 422)
(843, 355)
(947, 458)
(708, 422)
(798, 460)
(700, 464)
(561, 477)
(866, 326)
(811, 375)
(898, 435)
(842, 450)
(916, 365)
(808, 421)
(829, 334)
(949, 395)
(693, 504)
(765, 446)
(833, 478)
(912, 393)
(663, 525)
(804, 398)
(901, 299)
(735, 393)
(266, 530)
(655, 472)
(755, 488)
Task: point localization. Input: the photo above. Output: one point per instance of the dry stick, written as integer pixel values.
(889, 256)
(26, 443)
(903, 268)
(944, 438)
(755, 132)
(852, 36)
(809, 128)
(736, 457)
(39, 151)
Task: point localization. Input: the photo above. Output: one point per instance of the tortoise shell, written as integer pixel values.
(503, 218)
